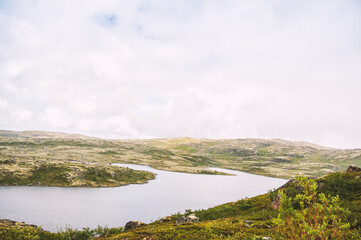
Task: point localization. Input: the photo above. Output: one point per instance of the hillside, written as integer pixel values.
(24, 156)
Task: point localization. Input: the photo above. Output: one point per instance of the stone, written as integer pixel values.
(165, 219)
(353, 169)
(265, 226)
(132, 225)
(187, 219)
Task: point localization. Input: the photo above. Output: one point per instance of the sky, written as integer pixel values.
(204, 69)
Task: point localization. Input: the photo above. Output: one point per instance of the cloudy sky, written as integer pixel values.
(215, 69)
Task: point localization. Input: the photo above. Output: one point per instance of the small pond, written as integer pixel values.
(55, 207)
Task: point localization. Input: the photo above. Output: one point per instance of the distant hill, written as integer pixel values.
(269, 157)
(39, 134)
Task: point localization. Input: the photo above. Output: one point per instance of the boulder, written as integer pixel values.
(187, 219)
(263, 226)
(165, 219)
(132, 225)
(353, 169)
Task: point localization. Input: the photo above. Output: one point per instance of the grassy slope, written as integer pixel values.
(227, 221)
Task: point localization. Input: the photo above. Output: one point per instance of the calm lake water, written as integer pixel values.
(54, 207)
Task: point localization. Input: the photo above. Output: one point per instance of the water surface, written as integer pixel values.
(55, 207)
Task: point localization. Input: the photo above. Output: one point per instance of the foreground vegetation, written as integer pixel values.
(325, 208)
(23, 155)
(36, 233)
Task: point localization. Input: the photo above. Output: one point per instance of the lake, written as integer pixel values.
(55, 207)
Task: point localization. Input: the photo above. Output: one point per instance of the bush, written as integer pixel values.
(317, 217)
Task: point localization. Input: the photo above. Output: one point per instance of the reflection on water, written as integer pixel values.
(170, 192)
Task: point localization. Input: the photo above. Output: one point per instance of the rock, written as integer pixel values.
(265, 226)
(276, 203)
(165, 219)
(132, 225)
(266, 238)
(247, 223)
(187, 219)
(353, 169)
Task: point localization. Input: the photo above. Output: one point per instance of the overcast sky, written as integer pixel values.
(215, 69)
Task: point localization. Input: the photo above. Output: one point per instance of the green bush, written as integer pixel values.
(318, 216)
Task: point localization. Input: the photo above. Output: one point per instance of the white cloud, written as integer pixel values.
(118, 126)
(3, 104)
(21, 115)
(130, 69)
(56, 117)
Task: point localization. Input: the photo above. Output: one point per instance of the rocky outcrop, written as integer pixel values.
(132, 225)
(165, 219)
(353, 169)
(187, 219)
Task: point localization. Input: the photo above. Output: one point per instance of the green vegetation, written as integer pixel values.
(312, 216)
(69, 174)
(36, 233)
